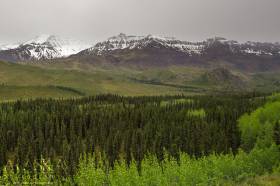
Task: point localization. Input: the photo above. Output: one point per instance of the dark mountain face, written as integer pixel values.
(152, 55)
(222, 77)
(152, 51)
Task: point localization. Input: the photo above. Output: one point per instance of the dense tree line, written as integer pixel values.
(119, 127)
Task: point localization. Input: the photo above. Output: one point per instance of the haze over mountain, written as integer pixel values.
(95, 20)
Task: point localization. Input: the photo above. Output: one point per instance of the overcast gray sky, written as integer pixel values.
(95, 20)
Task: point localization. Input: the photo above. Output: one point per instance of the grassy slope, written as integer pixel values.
(176, 75)
(34, 81)
(178, 78)
(24, 92)
(89, 79)
(266, 81)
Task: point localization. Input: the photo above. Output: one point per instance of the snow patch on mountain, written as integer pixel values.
(8, 46)
(51, 46)
(48, 47)
(122, 41)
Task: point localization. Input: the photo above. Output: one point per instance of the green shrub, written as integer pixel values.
(258, 127)
(208, 170)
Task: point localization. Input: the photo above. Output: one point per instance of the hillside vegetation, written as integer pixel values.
(85, 79)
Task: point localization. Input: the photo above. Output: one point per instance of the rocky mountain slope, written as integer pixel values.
(41, 47)
(151, 51)
(124, 42)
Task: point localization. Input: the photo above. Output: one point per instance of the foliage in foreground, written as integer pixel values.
(208, 170)
(261, 127)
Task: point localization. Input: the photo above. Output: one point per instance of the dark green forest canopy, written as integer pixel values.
(119, 127)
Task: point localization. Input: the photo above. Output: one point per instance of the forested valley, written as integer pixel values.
(160, 140)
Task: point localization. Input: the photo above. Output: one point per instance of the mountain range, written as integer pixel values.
(150, 51)
(122, 42)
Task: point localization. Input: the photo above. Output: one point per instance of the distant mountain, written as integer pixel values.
(124, 42)
(153, 51)
(41, 47)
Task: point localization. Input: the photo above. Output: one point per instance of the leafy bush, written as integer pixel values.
(208, 170)
(258, 127)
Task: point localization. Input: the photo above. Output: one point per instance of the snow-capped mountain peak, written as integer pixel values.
(44, 47)
(8, 46)
(123, 41)
(51, 46)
